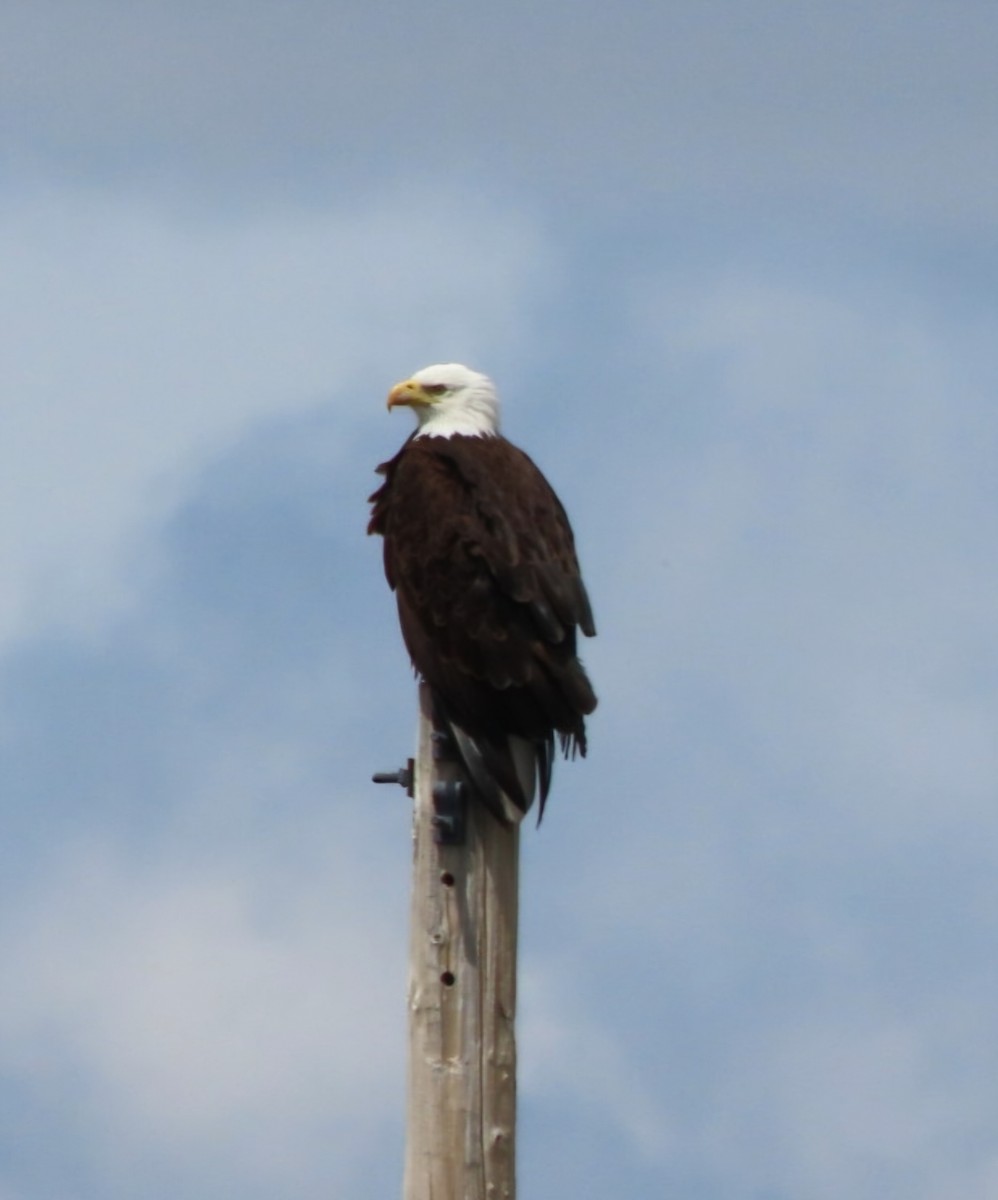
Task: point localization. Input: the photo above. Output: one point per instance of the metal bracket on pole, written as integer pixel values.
(449, 792)
(450, 812)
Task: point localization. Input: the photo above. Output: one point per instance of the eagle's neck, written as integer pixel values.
(464, 422)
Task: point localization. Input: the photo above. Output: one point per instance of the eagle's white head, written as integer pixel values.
(449, 399)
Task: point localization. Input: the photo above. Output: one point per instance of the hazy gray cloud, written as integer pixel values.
(889, 108)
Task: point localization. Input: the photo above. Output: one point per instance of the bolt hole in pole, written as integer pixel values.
(447, 978)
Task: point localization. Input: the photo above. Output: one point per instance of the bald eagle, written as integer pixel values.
(480, 554)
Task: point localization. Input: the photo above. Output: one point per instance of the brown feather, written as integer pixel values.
(481, 556)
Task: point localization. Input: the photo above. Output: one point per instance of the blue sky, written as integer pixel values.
(733, 269)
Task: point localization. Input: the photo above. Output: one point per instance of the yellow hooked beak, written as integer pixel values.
(409, 394)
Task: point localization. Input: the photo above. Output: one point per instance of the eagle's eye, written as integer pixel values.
(435, 389)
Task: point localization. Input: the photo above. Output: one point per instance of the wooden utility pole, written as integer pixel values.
(461, 1138)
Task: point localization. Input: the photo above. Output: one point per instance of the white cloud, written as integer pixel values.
(137, 343)
(209, 1008)
(780, 927)
(853, 1100)
(569, 1059)
(814, 550)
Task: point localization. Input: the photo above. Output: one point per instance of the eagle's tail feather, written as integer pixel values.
(494, 775)
(507, 771)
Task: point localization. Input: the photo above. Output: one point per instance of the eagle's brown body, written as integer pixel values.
(481, 557)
